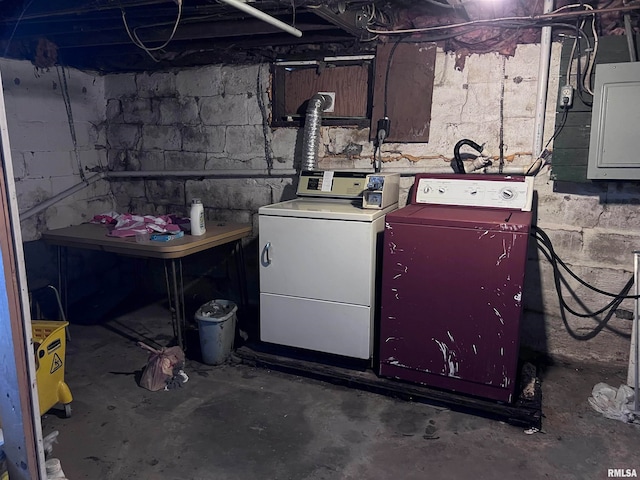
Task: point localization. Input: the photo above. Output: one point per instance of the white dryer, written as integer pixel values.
(319, 256)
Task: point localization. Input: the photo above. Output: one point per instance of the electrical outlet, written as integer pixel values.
(566, 96)
(331, 107)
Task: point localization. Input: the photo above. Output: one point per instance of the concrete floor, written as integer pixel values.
(236, 422)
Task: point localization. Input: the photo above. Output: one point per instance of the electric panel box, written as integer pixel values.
(613, 146)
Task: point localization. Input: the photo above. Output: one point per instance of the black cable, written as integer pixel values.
(386, 75)
(579, 80)
(559, 128)
(377, 153)
(72, 127)
(558, 279)
(383, 133)
(547, 242)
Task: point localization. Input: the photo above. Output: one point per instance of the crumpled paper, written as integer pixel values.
(614, 403)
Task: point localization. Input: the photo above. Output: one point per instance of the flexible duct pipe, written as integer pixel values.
(543, 83)
(311, 137)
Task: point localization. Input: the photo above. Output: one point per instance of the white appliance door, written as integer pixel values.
(319, 259)
(330, 327)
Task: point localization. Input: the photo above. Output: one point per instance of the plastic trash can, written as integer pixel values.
(217, 330)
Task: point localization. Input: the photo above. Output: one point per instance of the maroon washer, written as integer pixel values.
(452, 281)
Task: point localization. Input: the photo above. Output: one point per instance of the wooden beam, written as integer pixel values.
(525, 413)
(18, 402)
(187, 32)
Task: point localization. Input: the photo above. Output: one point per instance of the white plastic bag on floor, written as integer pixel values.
(614, 403)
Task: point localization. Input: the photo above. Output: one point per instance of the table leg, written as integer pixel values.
(172, 310)
(62, 256)
(241, 273)
(175, 291)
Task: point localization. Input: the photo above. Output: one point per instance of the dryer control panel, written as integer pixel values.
(377, 190)
(497, 191)
(331, 184)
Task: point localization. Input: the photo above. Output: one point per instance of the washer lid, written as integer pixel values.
(330, 209)
(463, 217)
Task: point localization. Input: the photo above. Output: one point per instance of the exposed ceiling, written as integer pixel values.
(92, 34)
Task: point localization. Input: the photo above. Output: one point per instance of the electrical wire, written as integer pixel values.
(62, 78)
(547, 242)
(531, 21)
(579, 82)
(542, 156)
(592, 60)
(443, 27)
(133, 36)
(575, 41)
(563, 121)
(15, 27)
(544, 241)
(386, 74)
(583, 83)
(381, 134)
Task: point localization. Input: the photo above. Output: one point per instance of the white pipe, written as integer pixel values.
(543, 83)
(634, 355)
(56, 198)
(628, 30)
(263, 16)
(201, 173)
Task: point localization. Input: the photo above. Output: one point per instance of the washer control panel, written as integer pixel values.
(498, 191)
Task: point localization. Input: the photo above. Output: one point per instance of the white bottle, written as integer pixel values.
(197, 217)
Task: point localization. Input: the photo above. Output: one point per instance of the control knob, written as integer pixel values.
(507, 194)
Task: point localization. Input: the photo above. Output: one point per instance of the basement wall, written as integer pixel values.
(43, 151)
(206, 119)
(211, 118)
(46, 162)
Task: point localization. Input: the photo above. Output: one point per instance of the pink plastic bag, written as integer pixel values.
(162, 366)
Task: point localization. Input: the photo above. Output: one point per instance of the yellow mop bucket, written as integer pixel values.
(49, 345)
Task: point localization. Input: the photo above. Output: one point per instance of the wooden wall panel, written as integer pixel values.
(349, 82)
(409, 93)
(571, 146)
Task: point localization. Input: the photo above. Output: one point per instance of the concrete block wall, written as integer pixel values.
(44, 158)
(204, 119)
(44, 163)
(593, 227)
(210, 118)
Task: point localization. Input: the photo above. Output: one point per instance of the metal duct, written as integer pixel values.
(311, 136)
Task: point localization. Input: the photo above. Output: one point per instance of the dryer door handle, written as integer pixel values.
(266, 257)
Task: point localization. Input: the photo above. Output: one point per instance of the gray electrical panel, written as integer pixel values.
(614, 152)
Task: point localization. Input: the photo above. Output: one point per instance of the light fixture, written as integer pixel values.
(240, 5)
